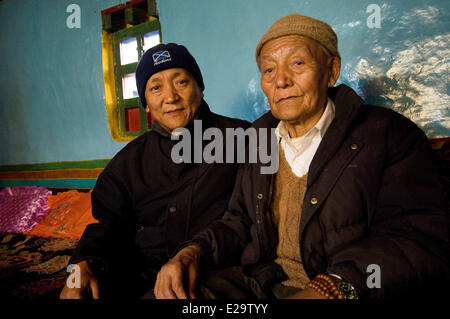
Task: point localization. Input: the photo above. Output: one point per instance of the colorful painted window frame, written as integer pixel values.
(126, 117)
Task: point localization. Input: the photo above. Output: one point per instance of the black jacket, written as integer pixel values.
(372, 198)
(147, 205)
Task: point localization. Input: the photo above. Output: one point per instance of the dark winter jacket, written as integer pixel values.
(372, 199)
(146, 204)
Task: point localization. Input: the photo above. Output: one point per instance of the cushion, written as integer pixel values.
(22, 207)
(70, 213)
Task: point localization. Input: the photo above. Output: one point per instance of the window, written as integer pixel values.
(128, 31)
(128, 46)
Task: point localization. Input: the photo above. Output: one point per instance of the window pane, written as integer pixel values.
(132, 119)
(129, 86)
(128, 51)
(150, 40)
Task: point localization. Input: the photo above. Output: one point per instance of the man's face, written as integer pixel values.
(295, 75)
(173, 97)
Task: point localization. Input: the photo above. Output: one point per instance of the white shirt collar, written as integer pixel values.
(321, 127)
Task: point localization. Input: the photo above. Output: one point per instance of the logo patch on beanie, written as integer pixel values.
(161, 57)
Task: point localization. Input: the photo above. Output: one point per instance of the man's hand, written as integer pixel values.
(88, 285)
(177, 279)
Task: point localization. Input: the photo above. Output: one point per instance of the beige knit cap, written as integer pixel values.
(297, 24)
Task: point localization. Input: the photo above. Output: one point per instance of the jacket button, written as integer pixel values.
(172, 209)
(314, 201)
(259, 196)
(354, 146)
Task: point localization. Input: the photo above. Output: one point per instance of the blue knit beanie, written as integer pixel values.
(163, 57)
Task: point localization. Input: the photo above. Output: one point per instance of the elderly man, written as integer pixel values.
(354, 210)
(147, 204)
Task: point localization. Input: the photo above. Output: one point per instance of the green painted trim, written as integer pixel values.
(138, 29)
(88, 164)
(134, 102)
(128, 68)
(61, 183)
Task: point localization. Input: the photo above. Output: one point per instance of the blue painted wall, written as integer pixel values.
(52, 104)
(51, 83)
(403, 65)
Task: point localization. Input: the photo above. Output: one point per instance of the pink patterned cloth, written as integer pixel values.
(22, 207)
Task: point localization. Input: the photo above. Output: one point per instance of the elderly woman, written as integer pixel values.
(146, 203)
